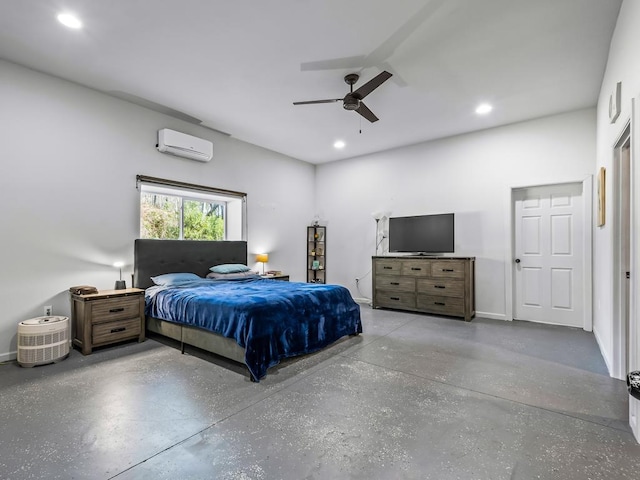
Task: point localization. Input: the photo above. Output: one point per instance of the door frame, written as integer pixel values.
(634, 286)
(587, 250)
(619, 334)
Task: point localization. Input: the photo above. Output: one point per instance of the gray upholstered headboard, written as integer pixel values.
(155, 257)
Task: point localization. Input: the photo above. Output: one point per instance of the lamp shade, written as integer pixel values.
(262, 257)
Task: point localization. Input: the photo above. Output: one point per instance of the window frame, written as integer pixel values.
(199, 193)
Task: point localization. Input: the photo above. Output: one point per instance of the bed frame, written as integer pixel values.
(155, 257)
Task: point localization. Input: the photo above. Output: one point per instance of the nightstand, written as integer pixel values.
(107, 317)
(282, 277)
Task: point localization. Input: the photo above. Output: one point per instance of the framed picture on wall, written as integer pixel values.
(601, 196)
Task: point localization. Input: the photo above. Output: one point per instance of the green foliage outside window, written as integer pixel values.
(201, 221)
(160, 218)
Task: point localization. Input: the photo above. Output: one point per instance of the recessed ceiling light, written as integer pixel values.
(339, 144)
(69, 20)
(483, 109)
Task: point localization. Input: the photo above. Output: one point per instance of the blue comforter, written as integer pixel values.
(270, 319)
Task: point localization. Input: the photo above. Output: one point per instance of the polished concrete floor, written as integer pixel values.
(414, 397)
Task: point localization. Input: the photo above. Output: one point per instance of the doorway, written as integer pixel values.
(549, 254)
(622, 250)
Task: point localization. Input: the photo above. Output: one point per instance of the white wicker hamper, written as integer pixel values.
(43, 340)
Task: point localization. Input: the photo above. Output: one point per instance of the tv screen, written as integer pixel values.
(422, 234)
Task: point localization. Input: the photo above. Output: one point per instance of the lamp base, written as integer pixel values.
(120, 285)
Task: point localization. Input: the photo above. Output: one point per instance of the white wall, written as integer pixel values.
(68, 197)
(469, 175)
(622, 67)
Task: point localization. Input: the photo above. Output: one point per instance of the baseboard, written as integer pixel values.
(603, 351)
(492, 316)
(364, 301)
(9, 356)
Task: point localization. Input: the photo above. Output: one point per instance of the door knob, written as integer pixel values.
(517, 260)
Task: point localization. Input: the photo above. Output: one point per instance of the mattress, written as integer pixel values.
(270, 319)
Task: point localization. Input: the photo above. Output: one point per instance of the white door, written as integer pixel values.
(549, 254)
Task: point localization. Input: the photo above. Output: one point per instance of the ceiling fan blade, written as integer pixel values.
(309, 102)
(371, 85)
(366, 113)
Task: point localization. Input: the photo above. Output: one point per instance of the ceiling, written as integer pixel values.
(237, 67)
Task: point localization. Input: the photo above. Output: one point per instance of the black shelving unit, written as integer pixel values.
(316, 254)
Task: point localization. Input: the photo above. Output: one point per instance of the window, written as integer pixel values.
(180, 211)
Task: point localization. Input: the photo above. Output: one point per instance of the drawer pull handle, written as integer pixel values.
(394, 283)
(116, 330)
(394, 298)
(448, 270)
(416, 268)
(439, 286)
(114, 310)
(439, 303)
(387, 268)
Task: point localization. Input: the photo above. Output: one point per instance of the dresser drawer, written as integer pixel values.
(395, 283)
(388, 267)
(416, 268)
(448, 269)
(444, 287)
(400, 300)
(114, 331)
(113, 309)
(441, 304)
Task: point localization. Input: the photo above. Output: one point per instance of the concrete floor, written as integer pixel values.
(414, 397)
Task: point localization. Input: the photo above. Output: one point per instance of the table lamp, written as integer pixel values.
(262, 258)
(120, 284)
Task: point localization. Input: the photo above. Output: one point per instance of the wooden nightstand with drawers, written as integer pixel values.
(107, 317)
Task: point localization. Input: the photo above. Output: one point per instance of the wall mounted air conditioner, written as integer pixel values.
(183, 145)
(43, 340)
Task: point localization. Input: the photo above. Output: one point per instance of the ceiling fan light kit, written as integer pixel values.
(353, 99)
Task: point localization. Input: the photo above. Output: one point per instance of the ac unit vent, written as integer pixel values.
(43, 340)
(183, 145)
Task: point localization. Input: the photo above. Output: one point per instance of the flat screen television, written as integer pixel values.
(422, 234)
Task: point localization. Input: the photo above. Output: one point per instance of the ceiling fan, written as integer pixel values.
(353, 99)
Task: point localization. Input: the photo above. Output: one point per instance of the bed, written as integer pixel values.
(254, 321)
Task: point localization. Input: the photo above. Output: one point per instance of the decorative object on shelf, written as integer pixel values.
(316, 249)
(83, 290)
(276, 275)
(120, 284)
(601, 196)
(262, 258)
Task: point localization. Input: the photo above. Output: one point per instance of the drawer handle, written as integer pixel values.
(448, 270)
(387, 268)
(416, 268)
(394, 298)
(114, 310)
(439, 286)
(394, 283)
(439, 303)
(116, 330)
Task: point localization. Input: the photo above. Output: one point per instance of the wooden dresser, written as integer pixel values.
(107, 317)
(440, 285)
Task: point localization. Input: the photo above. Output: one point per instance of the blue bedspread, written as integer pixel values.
(270, 319)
